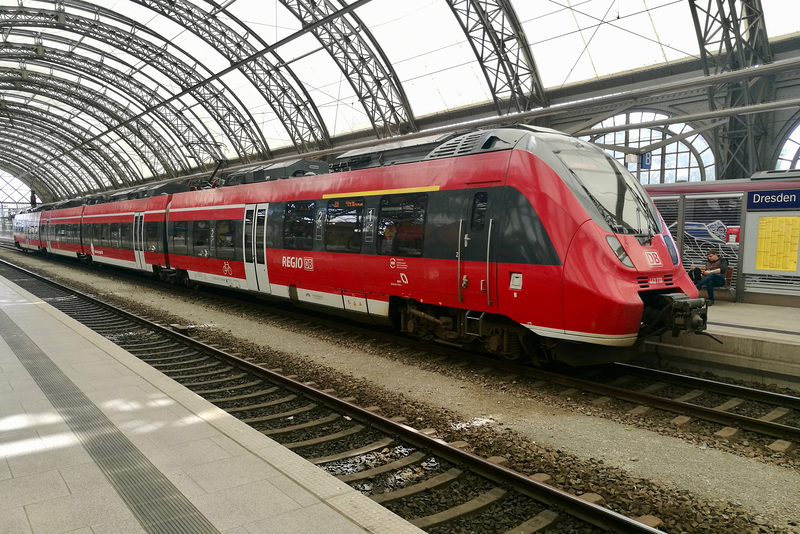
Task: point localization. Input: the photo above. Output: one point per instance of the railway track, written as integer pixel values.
(733, 408)
(434, 485)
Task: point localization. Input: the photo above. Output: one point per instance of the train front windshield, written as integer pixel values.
(610, 193)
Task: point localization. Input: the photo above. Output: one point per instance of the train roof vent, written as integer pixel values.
(458, 146)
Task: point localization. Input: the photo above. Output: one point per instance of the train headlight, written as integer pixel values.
(616, 246)
(672, 248)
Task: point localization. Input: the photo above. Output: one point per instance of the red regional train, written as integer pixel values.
(523, 240)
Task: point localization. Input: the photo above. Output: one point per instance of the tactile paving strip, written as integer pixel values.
(156, 503)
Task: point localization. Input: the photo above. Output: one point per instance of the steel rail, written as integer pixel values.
(768, 428)
(768, 397)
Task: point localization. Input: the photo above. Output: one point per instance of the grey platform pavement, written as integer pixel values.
(753, 336)
(94, 440)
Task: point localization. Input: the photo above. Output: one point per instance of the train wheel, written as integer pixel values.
(415, 328)
(184, 279)
(506, 344)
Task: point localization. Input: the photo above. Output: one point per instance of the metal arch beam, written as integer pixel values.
(45, 135)
(296, 111)
(80, 170)
(237, 128)
(32, 182)
(44, 193)
(43, 17)
(732, 35)
(29, 165)
(82, 98)
(17, 153)
(152, 148)
(68, 133)
(79, 167)
(236, 122)
(781, 137)
(364, 64)
(101, 107)
(23, 141)
(86, 68)
(183, 131)
(503, 53)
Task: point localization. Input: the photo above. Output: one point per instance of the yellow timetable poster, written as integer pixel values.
(778, 242)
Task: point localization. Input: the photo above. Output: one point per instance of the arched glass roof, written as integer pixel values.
(96, 96)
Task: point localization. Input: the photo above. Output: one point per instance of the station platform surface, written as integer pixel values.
(94, 440)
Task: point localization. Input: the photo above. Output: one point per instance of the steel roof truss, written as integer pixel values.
(501, 47)
(364, 64)
(60, 125)
(295, 110)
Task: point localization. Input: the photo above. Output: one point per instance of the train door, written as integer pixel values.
(255, 254)
(138, 240)
(44, 230)
(477, 274)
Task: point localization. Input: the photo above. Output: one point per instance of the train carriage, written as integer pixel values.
(524, 241)
(127, 233)
(61, 231)
(204, 237)
(26, 231)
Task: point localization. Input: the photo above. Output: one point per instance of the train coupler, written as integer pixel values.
(686, 314)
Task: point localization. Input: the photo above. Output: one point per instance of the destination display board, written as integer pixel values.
(773, 225)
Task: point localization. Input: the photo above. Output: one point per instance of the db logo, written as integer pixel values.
(653, 258)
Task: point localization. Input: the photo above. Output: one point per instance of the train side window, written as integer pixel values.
(179, 238)
(401, 224)
(114, 235)
(151, 237)
(261, 233)
(248, 236)
(104, 230)
(225, 237)
(480, 205)
(343, 225)
(238, 251)
(125, 239)
(298, 226)
(201, 233)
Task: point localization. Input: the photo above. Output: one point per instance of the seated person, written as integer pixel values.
(711, 275)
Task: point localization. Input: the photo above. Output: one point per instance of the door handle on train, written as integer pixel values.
(464, 281)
